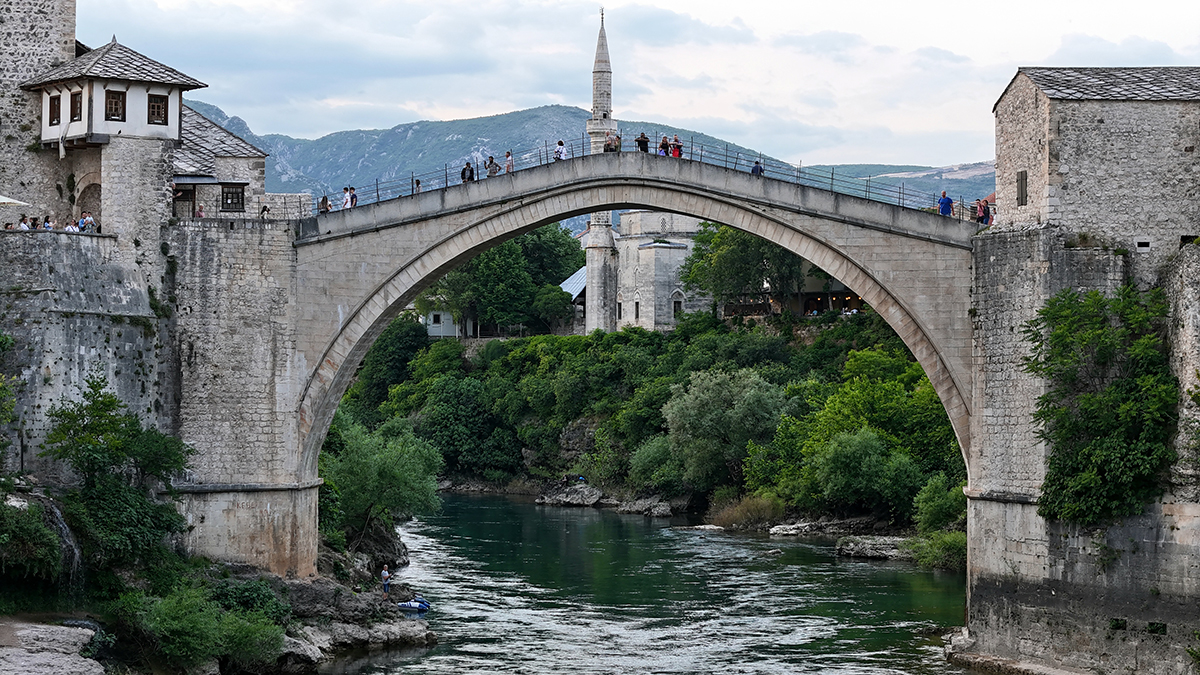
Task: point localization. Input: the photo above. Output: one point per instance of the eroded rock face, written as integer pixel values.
(36, 649)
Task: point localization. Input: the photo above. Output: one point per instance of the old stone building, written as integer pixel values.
(1097, 183)
(1106, 154)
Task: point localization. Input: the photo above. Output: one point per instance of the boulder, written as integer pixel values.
(575, 495)
(37, 649)
(877, 547)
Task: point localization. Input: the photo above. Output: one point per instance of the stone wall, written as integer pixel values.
(35, 36)
(1022, 135)
(73, 308)
(1121, 599)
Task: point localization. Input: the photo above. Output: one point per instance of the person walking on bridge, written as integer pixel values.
(508, 162)
(560, 151)
(945, 204)
(492, 166)
(757, 169)
(345, 198)
(468, 173)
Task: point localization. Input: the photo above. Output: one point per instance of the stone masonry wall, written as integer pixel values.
(1128, 172)
(72, 308)
(232, 287)
(35, 36)
(1121, 599)
(1022, 118)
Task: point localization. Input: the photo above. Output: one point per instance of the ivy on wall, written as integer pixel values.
(1110, 411)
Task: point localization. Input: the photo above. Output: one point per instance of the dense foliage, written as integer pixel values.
(165, 609)
(832, 424)
(511, 284)
(728, 263)
(1109, 413)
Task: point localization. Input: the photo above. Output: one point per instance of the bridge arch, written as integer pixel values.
(895, 259)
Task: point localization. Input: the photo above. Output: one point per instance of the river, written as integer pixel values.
(522, 588)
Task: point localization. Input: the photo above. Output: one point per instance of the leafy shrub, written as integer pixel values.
(606, 464)
(855, 473)
(654, 467)
(939, 504)
(383, 474)
(940, 550)
(186, 627)
(752, 512)
(27, 547)
(252, 596)
(1110, 410)
(250, 638)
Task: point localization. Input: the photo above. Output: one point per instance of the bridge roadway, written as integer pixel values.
(357, 269)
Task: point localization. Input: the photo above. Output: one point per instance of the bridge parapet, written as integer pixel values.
(631, 169)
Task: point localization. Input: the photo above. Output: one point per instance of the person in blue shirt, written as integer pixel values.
(757, 170)
(945, 204)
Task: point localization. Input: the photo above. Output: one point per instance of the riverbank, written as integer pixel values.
(858, 537)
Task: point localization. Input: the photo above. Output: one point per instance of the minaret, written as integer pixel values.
(600, 307)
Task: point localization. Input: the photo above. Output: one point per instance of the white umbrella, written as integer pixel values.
(9, 201)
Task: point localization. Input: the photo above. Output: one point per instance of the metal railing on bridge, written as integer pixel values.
(871, 188)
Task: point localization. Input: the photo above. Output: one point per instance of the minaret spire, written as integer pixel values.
(600, 305)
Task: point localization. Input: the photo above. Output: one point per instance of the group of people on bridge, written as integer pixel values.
(86, 223)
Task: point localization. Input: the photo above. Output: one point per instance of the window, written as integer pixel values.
(156, 110)
(677, 308)
(76, 106)
(618, 311)
(233, 198)
(637, 311)
(437, 319)
(55, 111)
(1022, 188)
(183, 205)
(114, 106)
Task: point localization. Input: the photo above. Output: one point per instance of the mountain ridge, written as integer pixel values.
(361, 156)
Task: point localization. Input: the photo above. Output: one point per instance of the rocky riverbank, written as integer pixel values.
(40, 649)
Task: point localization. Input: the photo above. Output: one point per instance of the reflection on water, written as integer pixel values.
(522, 588)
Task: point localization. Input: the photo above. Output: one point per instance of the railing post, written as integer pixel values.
(692, 148)
(376, 190)
(446, 178)
(726, 155)
(868, 187)
(831, 179)
(412, 183)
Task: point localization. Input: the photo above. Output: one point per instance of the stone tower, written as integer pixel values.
(600, 309)
(36, 35)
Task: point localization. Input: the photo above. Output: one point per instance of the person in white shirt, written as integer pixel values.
(560, 152)
(345, 198)
(508, 162)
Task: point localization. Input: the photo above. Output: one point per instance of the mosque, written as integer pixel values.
(632, 273)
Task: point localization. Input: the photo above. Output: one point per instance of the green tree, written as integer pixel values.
(384, 474)
(727, 264)
(385, 365)
(552, 306)
(119, 463)
(713, 418)
(501, 286)
(552, 254)
(856, 473)
(456, 419)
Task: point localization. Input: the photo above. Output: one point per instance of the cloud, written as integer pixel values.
(1089, 50)
(834, 45)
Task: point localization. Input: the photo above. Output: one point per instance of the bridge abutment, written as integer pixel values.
(1117, 599)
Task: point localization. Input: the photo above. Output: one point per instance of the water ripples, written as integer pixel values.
(520, 588)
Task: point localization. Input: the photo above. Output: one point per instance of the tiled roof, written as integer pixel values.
(115, 61)
(1180, 83)
(204, 141)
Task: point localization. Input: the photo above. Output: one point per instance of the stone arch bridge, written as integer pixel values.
(351, 272)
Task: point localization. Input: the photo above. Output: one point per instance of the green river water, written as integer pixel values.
(522, 588)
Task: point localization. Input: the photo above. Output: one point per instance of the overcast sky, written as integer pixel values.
(819, 82)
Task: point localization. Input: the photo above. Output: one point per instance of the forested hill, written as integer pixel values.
(324, 165)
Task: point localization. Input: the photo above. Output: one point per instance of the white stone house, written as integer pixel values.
(133, 154)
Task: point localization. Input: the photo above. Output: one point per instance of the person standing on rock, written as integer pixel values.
(386, 578)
